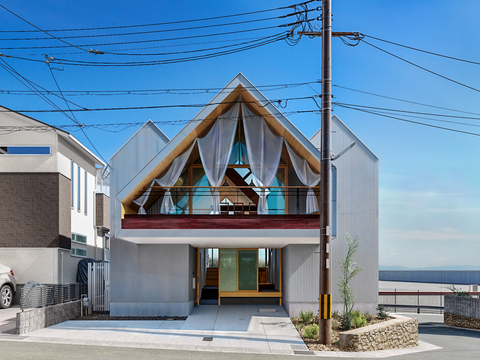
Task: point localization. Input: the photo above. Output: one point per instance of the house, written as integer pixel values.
(226, 212)
(52, 213)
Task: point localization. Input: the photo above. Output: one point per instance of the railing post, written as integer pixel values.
(395, 301)
(418, 301)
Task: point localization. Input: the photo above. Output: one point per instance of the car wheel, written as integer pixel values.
(6, 297)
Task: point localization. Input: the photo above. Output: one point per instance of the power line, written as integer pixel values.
(406, 101)
(149, 41)
(53, 36)
(173, 91)
(160, 24)
(409, 121)
(156, 31)
(277, 101)
(424, 51)
(410, 112)
(423, 68)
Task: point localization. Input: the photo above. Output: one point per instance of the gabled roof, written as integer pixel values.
(64, 134)
(148, 125)
(200, 124)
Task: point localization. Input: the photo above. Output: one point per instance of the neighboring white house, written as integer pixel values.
(51, 214)
(226, 212)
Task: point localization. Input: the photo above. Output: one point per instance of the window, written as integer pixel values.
(86, 193)
(78, 188)
(106, 241)
(24, 150)
(79, 252)
(79, 238)
(212, 256)
(71, 182)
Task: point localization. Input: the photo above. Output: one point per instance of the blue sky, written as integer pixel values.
(429, 178)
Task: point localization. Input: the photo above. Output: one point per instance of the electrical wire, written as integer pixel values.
(406, 101)
(161, 24)
(424, 51)
(157, 31)
(53, 36)
(410, 112)
(423, 68)
(169, 91)
(409, 121)
(151, 40)
(154, 106)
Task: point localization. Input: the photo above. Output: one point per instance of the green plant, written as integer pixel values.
(369, 317)
(348, 270)
(381, 312)
(334, 323)
(346, 321)
(310, 331)
(373, 322)
(456, 291)
(306, 316)
(358, 319)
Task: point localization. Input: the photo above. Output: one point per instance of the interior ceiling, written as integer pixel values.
(204, 126)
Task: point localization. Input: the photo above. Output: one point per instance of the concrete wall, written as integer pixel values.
(36, 319)
(151, 280)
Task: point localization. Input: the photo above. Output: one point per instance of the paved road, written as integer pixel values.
(455, 343)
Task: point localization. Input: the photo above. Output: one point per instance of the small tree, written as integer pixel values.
(348, 270)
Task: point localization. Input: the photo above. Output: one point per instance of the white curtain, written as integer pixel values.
(169, 179)
(215, 149)
(306, 176)
(264, 151)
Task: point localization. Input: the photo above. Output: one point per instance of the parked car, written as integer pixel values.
(8, 286)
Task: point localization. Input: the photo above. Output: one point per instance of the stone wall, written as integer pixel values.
(462, 311)
(40, 318)
(461, 321)
(399, 332)
(462, 305)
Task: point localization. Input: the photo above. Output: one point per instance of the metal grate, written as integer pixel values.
(49, 295)
(208, 338)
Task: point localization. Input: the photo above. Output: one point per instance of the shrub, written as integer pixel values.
(348, 270)
(346, 321)
(381, 312)
(310, 331)
(306, 316)
(358, 319)
(456, 291)
(369, 317)
(334, 323)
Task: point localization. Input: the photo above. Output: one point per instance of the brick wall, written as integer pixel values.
(34, 210)
(102, 210)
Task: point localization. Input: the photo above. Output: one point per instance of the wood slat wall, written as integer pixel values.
(220, 221)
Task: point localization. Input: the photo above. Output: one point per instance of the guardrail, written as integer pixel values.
(49, 295)
(406, 301)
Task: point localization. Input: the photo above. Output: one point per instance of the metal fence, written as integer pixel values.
(49, 295)
(415, 301)
(99, 286)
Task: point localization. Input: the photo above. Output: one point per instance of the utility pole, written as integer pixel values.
(325, 280)
(325, 285)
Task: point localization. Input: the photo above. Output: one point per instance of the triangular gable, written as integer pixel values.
(202, 122)
(11, 117)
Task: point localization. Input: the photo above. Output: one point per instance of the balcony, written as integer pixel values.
(238, 209)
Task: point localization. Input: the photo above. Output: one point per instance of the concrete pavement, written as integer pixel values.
(248, 329)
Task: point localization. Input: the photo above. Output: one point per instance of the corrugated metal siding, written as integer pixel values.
(458, 277)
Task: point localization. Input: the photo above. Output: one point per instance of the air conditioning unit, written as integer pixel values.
(473, 288)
